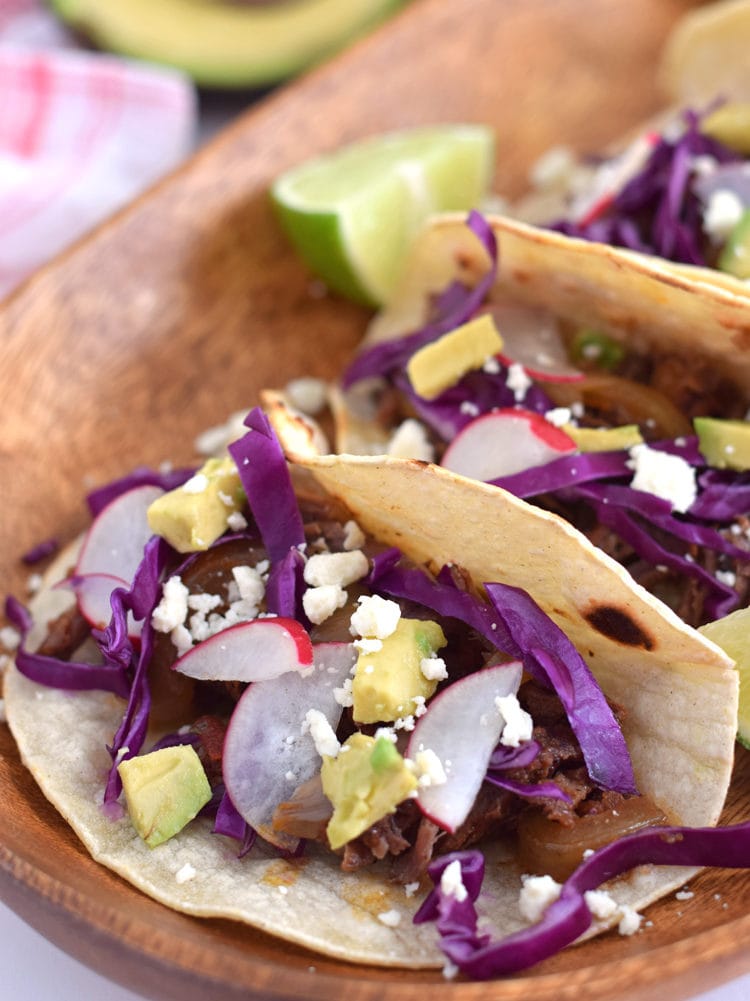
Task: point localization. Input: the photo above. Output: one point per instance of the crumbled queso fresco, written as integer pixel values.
(519, 725)
(666, 476)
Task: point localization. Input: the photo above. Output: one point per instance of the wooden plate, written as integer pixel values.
(177, 312)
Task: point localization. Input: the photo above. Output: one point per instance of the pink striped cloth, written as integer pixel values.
(80, 134)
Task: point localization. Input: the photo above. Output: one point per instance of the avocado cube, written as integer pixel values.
(164, 791)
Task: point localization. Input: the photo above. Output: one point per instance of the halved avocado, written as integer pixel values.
(225, 43)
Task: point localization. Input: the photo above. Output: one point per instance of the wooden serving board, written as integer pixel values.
(175, 313)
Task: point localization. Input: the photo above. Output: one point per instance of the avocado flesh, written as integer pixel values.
(222, 44)
(725, 444)
(735, 257)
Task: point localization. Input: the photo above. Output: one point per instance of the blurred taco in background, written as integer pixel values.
(357, 716)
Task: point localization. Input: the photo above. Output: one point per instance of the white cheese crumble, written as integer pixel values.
(491, 366)
(630, 921)
(537, 893)
(196, 484)
(10, 637)
(307, 394)
(667, 476)
(684, 895)
(336, 568)
(451, 882)
(519, 725)
(392, 918)
(386, 733)
(411, 888)
(173, 607)
(186, 873)
(410, 441)
(344, 695)
(250, 584)
(559, 416)
(214, 440)
(450, 970)
(354, 537)
(553, 169)
(368, 646)
(428, 768)
(517, 380)
(601, 904)
(375, 617)
(34, 583)
(469, 408)
(727, 577)
(321, 731)
(182, 639)
(237, 522)
(723, 212)
(433, 668)
(321, 602)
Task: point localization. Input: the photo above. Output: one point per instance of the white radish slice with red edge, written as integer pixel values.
(258, 650)
(532, 338)
(115, 541)
(504, 442)
(94, 592)
(266, 754)
(462, 726)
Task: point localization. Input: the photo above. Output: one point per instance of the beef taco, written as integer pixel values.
(304, 722)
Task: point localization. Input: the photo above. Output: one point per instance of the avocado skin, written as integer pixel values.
(228, 46)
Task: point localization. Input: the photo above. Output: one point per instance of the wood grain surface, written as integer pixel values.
(175, 313)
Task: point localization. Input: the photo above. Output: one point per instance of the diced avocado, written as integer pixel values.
(225, 43)
(164, 791)
(725, 444)
(735, 257)
(387, 680)
(443, 362)
(364, 782)
(193, 516)
(730, 124)
(604, 439)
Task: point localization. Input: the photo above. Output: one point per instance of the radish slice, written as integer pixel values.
(257, 650)
(266, 756)
(504, 442)
(610, 178)
(114, 543)
(93, 592)
(462, 726)
(532, 337)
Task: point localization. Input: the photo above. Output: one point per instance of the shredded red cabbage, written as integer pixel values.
(456, 305)
(565, 471)
(568, 917)
(659, 211)
(67, 674)
(39, 552)
(229, 823)
(98, 499)
(723, 495)
(265, 479)
(514, 623)
(286, 585)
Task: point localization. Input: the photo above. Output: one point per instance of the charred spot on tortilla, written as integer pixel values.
(619, 626)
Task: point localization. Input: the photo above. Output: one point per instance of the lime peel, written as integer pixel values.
(353, 213)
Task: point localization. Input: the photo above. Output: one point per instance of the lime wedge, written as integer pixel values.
(732, 634)
(353, 214)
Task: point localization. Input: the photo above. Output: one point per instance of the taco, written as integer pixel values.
(219, 692)
(615, 395)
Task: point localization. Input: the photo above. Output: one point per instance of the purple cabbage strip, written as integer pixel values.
(568, 917)
(265, 479)
(116, 646)
(528, 790)
(98, 499)
(565, 471)
(515, 624)
(458, 305)
(659, 211)
(720, 599)
(65, 674)
(514, 757)
(39, 552)
(659, 513)
(232, 825)
(286, 585)
(724, 495)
